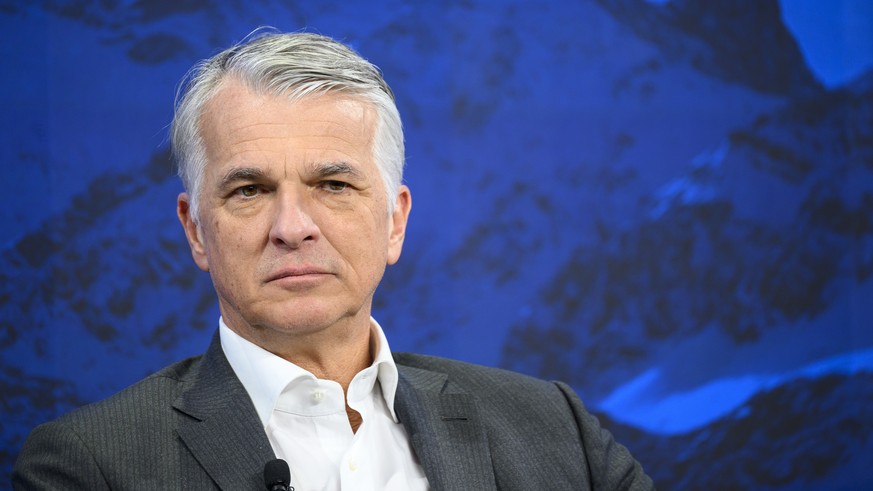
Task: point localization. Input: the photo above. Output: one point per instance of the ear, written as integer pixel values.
(397, 223)
(192, 232)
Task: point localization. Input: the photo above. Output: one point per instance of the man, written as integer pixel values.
(290, 149)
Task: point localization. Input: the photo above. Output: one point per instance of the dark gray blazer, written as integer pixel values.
(193, 426)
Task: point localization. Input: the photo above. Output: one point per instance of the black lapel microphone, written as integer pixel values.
(277, 476)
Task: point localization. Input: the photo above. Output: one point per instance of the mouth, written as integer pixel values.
(297, 273)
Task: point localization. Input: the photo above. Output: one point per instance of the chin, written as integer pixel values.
(300, 318)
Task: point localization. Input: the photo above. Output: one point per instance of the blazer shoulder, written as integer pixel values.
(154, 392)
(495, 385)
(533, 422)
(91, 446)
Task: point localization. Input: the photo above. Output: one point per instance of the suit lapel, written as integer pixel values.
(223, 432)
(445, 431)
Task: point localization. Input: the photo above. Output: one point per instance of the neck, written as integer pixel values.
(340, 363)
(336, 352)
(337, 359)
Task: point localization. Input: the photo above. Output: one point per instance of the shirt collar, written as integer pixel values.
(264, 375)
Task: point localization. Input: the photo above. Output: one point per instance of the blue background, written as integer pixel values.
(667, 204)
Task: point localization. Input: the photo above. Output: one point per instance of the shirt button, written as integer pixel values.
(353, 465)
(317, 395)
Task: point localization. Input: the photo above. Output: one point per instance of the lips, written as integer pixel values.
(297, 271)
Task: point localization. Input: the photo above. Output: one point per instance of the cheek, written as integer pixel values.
(360, 239)
(232, 237)
(226, 247)
(372, 243)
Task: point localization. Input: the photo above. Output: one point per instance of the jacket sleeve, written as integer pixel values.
(610, 464)
(55, 457)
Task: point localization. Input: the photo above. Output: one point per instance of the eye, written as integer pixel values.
(335, 186)
(249, 191)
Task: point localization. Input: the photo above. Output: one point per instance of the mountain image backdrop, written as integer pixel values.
(664, 204)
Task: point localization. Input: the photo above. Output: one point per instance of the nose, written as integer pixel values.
(292, 223)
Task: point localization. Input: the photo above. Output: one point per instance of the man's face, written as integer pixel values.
(294, 225)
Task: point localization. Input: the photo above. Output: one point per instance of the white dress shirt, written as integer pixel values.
(306, 421)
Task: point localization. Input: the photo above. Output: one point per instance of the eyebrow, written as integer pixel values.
(327, 169)
(321, 170)
(238, 174)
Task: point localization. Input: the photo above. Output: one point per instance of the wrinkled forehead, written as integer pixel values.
(239, 119)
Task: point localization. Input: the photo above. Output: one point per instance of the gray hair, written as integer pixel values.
(295, 65)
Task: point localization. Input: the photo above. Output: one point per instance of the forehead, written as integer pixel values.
(238, 121)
